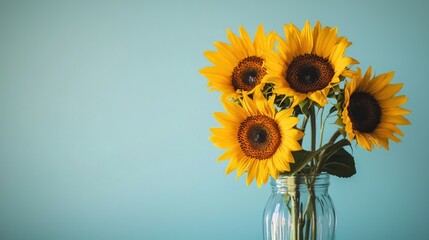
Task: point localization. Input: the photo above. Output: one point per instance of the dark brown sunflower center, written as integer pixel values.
(248, 73)
(364, 112)
(259, 137)
(308, 73)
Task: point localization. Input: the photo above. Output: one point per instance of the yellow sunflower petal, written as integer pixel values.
(232, 165)
(234, 109)
(389, 91)
(398, 120)
(393, 102)
(229, 154)
(224, 118)
(251, 174)
(246, 41)
(379, 82)
(306, 38)
(362, 141)
(236, 43)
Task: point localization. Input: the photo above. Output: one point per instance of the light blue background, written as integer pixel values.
(104, 120)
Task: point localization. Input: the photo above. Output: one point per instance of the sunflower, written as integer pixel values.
(258, 138)
(372, 111)
(308, 64)
(239, 67)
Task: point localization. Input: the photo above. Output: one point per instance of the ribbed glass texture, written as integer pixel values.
(299, 208)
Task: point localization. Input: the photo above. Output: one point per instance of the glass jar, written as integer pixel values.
(299, 208)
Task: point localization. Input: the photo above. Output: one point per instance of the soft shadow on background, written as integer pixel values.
(104, 120)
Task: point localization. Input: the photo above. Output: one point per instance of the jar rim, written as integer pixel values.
(318, 176)
(301, 180)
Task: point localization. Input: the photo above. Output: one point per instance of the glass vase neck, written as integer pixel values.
(284, 184)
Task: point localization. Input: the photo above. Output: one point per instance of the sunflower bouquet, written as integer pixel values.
(273, 86)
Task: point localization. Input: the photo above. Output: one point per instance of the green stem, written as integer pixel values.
(311, 205)
(314, 214)
(313, 133)
(332, 141)
(303, 127)
(335, 136)
(310, 216)
(307, 224)
(322, 127)
(295, 215)
(313, 128)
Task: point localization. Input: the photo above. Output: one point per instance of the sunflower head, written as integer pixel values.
(308, 62)
(258, 139)
(239, 66)
(371, 111)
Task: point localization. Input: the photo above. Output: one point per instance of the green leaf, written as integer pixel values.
(343, 131)
(302, 157)
(339, 122)
(282, 101)
(333, 149)
(338, 145)
(332, 110)
(305, 107)
(341, 164)
(334, 91)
